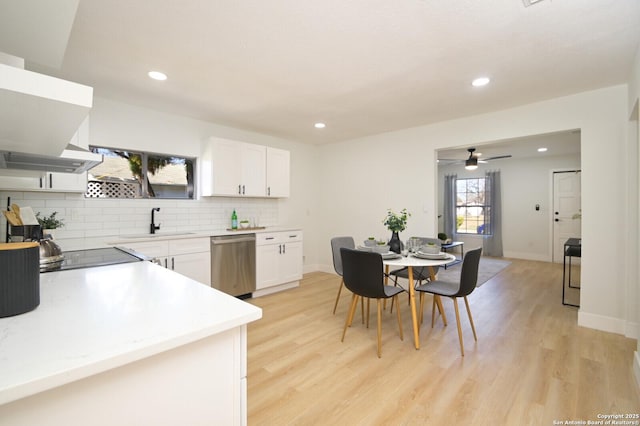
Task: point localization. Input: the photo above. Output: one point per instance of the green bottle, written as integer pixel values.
(234, 220)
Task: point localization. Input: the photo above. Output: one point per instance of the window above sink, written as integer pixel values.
(135, 174)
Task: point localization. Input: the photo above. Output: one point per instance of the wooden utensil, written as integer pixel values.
(16, 210)
(11, 218)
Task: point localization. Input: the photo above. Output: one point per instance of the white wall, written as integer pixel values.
(362, 178)
(634, 209)
(527, 233)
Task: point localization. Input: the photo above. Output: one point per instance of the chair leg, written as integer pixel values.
(455, 304)
(438, 301)
(473, 327)
(362, 308)
(335, 305)
(421, 306)
(352, 310)
(399, 318)
(433, 311)
(368, 305)
(379, 328)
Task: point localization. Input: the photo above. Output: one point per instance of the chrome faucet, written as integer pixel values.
(153, 225)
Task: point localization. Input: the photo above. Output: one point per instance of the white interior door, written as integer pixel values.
(566, 203)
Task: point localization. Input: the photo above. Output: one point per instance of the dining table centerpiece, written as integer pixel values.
(396, 223)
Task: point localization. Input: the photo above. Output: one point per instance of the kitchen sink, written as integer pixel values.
(158, 235)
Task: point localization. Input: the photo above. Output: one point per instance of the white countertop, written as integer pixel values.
(92, 320)
(110, 240)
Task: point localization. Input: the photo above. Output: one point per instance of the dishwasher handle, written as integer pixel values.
(215, 241)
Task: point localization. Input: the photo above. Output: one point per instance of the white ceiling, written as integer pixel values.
(557, 144)
(362, 66)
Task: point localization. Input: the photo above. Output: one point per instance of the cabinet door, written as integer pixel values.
(278, 170)
(20, 180)
(267, 259)
(226, 173)
(67, 182)
(196, 266)
(253, 164)
(290, 262)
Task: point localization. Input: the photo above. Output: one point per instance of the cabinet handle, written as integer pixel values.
(165, 262)
(239, 190)
(292, 236)
(284, 248)
(270, 238)
(242, 189)
(280, 249)
(173, 263)
(50, 180)
(269, 190)
(40, 181)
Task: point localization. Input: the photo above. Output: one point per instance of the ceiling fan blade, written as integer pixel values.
(498, 157)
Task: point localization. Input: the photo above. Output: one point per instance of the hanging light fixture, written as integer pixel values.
(472, 162)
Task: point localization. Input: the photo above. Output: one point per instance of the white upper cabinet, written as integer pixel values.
(277, 172)
(239, 169)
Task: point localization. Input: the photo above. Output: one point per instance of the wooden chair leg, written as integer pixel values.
(362, 308)
(438, 301)
(473, 327)
(433, 311)
(368, 305)
(399, 318)
(380, 328)
(455, 304)
(335, 305)
(352, 310)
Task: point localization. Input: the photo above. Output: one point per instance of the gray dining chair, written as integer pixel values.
(454, 290)
(364, 277)
(336, 244)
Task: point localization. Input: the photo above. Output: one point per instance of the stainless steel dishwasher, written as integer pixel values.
(233, 264)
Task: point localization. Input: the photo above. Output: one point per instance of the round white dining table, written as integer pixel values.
(411, 262)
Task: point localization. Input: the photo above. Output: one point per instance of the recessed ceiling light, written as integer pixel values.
(481, 81)
(320, 125)
(157, 75)
(542, 149)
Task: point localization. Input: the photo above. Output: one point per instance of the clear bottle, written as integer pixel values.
(234, 220)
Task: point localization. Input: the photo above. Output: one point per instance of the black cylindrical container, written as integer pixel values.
(19, 278)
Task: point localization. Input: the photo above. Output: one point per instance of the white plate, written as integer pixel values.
(432, 256)
(390, 255)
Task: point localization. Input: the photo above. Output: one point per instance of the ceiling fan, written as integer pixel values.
(471, 163)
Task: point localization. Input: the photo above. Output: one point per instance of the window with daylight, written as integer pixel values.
(472, 207)
(130, 174)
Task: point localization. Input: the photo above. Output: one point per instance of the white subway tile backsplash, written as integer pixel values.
(91, 217)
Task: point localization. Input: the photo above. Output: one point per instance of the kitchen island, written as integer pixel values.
(125, 344)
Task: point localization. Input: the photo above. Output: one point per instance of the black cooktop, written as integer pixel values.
(77, 259)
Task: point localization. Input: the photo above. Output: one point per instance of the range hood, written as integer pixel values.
(72, 160)
(39, 114)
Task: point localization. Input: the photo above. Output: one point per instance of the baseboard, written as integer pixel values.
(320, 268)
(601, 322)
(632, 330)
(636, 367)
(275, 289)
(527, 256)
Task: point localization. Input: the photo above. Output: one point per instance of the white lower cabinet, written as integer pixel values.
(278, 261)
(189, 257)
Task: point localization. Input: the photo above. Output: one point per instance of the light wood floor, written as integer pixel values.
(532, 364)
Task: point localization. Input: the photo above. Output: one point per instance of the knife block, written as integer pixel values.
(19, 278)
